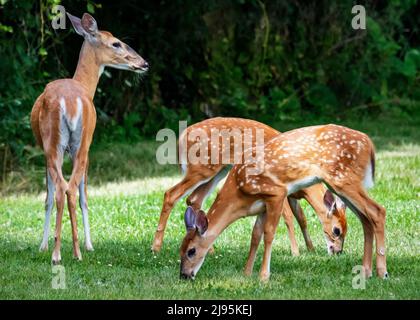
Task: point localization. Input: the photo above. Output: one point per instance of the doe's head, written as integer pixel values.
(109, 50)
(335, 223)
(194, 247)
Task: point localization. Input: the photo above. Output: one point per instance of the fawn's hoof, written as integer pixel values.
(56, 258)
(77, 255)
(247, 272)
(295, 253)
(368, 273)
(264, 277)
(383, 274)
(156, 247)
(89, 247)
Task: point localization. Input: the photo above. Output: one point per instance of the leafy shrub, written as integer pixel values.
(268, 60)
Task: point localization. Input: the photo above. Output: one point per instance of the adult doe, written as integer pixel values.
(63, 120)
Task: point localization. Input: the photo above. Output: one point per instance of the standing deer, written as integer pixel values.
(202, 177)
(340, 157)
(63, 120)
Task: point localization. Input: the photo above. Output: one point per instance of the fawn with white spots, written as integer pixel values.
(340, 157)
(201, 178)
(63, 120)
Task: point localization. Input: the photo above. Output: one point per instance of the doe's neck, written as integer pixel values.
(88, 69)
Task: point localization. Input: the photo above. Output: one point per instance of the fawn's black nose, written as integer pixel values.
(186, 276)
(146, 65)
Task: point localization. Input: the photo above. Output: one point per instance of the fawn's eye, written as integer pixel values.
(336, 231)
(116, 45)
(191, 252)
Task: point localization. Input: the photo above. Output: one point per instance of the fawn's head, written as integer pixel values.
(194, 246)
(335, 223)
(109, 51)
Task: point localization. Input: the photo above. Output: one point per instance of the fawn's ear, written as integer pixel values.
(201, 222)
(190, 217)
(340, 203)
(329, 202)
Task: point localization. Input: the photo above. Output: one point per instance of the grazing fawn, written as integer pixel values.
(201, 178)
(340, 157)
(63, 120)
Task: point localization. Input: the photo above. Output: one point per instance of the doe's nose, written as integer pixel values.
(146, 65)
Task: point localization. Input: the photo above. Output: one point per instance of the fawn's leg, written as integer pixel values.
(171, 197)
(199, 195)
(373, 220)
(257, 233)
(301, 219)
(49, 204)
(368, 246)
(274, 208)
(288, 218)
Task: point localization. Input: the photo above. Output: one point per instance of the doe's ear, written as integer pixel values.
(329, 202)
(201, 222)
(190, 218)
(77, 24)
(89, 24)
(86, 27)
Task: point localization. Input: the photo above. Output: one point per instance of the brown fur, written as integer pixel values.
(200, 172)
(47, 113)
(289, 157)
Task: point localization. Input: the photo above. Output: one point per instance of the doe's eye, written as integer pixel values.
(116, 45)
(336, 231)
(191, 252)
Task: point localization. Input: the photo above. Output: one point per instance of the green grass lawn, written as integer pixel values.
(124, 216)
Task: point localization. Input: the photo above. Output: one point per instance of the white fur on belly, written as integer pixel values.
(297, 185)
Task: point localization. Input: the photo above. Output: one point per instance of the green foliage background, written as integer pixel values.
(274, 61)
